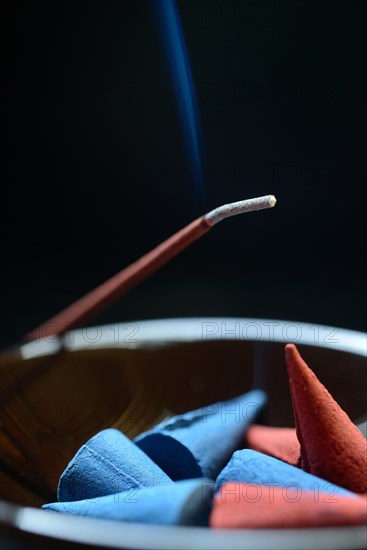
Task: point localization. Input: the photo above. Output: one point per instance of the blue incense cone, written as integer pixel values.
(186, 502)
(199, 443)
(108, 463)
(249, 466)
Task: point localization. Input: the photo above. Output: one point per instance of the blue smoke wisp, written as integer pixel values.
(172, 34)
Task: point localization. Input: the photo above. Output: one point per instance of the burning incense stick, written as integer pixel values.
(108, 292)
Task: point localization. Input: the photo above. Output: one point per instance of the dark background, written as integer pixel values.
(94, 170)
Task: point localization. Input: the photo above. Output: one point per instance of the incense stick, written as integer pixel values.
(108, 292)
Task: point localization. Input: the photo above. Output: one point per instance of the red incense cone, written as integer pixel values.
(332, 447)
(281, 443)
(251, 506)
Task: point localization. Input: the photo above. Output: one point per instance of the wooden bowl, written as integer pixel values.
(54, 395)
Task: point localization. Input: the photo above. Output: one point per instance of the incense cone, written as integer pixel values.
(183, 503)
(199, 443)
(248, 466)
(281, 443)
(332, 447)
(249, 506)
(108, 463)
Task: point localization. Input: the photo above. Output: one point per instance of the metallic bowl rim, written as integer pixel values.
(190, 329)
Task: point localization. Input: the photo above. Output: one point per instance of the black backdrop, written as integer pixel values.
(94, 170)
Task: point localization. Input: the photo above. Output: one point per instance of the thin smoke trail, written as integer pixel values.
(176, 51)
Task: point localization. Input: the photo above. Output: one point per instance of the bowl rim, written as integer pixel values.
(109, 534)
(137, 334)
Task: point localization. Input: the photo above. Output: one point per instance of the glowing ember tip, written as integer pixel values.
(240, 207)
